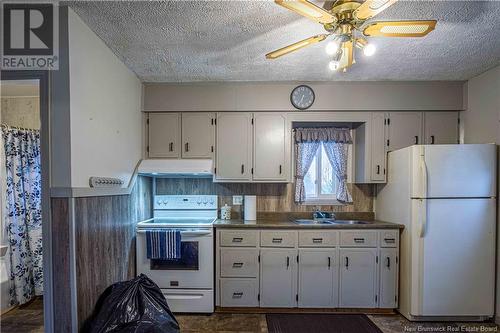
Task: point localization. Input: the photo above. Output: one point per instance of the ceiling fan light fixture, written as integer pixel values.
(369, 50)
(333, 65)
(332, 47)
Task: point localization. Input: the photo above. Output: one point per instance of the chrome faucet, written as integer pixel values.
(318, 214)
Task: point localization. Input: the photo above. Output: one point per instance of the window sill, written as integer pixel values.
(322, 202)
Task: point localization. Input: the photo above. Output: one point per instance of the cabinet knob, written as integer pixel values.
(346, 262)
(388, 262)
(242, 169)
(171, 146)
(329, 262)
(186, 146)
(432, 139)
(378, 169)
(416, 139)
(280, 169)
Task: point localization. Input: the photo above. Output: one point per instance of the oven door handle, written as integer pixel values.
(186, 233)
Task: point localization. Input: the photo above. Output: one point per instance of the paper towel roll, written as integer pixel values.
(250, 207)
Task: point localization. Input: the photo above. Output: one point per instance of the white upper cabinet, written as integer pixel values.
(270, 147)
(233, 146)
(404, 129)
(370, 149)
(441, 127)
(358, 278)
(378, 147)
(198, 131)
(164, 133)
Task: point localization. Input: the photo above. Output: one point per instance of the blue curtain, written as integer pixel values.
(23, 216)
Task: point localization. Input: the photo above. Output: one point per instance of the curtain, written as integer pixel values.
(336, 141)
(23, 216)
(304, 151)
(337, 155)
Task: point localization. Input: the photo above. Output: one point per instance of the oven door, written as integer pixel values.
(193, 270)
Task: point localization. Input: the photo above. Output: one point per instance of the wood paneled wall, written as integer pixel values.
(105, 241)
(270, 197)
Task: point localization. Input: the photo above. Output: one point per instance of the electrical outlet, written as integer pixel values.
(237, 200)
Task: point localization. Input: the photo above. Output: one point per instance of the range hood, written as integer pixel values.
(176, 168)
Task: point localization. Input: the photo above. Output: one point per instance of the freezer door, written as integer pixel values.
(466, 171)
(453, 257)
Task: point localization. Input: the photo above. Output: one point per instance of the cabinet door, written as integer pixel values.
(269, 147)
(198, 135)
(405, 129)
(378, 144)
(164, 135)
(318, 278)
(441, 127)
(388, 278)
(278, 271)
(358, 278)
(233, 148)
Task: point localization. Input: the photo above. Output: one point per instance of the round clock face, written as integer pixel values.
(302, 97)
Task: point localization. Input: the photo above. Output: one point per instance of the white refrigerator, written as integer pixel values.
(445, 197)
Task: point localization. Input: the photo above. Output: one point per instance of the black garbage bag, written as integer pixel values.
(135, 306)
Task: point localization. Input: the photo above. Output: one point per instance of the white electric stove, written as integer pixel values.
(187, 283)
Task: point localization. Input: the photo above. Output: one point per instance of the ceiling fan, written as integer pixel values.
(341, 19)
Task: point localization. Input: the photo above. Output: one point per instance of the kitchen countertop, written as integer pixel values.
(287, 224)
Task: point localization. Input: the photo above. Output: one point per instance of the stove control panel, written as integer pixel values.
(191, 202)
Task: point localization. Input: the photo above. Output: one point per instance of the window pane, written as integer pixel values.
(310, 179)
(328, 183)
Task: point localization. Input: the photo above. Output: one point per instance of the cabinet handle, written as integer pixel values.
(171, 146)
(388, 262)
(359, 240)
(242, 169)
(317, 240)
(390, 240)
(186, 146)
(237, 239)
(432, 139)
(378, 169)
(416, 139)
(329, 262)
(346, 262)
(287, 262)
(280, 169)
(237, 264)
(277, 240)
(237, 295)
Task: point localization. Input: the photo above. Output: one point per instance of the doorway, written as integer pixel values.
(25, 274)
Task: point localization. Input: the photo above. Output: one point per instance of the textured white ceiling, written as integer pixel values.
(186, 41)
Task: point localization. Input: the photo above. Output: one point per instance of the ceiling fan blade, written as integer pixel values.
(308, 9)
(370, 8)
(296, 46)
(347, 56)
(400, 28)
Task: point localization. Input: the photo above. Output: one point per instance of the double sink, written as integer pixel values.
(329, 221)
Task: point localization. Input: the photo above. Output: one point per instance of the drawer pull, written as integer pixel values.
(317, 240)
(237, 239)
(390, 240)
(237, 295)
(359, 240)
(277, 240)
(237, 264)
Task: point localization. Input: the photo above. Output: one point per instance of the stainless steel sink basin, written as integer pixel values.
(351, 222)
(309, 222)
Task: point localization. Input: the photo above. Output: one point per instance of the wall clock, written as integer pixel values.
(302, 97)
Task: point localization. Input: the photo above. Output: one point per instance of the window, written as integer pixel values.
(320, 182)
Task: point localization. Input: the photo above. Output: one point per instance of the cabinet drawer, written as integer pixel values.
(389, 238)
(318, 238)
(238, 238)
(278, 238)
(239, 292)
(359, 238)
(239, 262)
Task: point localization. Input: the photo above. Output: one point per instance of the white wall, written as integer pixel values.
(481, 124)
(334, 96)
(105, 103)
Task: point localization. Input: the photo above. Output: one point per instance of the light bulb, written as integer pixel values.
(369, 50)
(332, 48)
(333, 65)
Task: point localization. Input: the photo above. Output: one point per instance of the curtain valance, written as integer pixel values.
(323, 134)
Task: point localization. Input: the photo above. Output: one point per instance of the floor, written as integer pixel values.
(29, 318)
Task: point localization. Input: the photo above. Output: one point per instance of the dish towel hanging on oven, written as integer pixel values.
(163, 244)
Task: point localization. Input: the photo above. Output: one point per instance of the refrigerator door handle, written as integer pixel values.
(423, 175)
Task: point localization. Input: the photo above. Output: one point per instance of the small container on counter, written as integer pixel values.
(225, 212)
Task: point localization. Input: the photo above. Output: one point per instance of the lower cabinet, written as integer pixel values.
(308, 268)
(358, 278)
(278, 271)
(318, 278)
